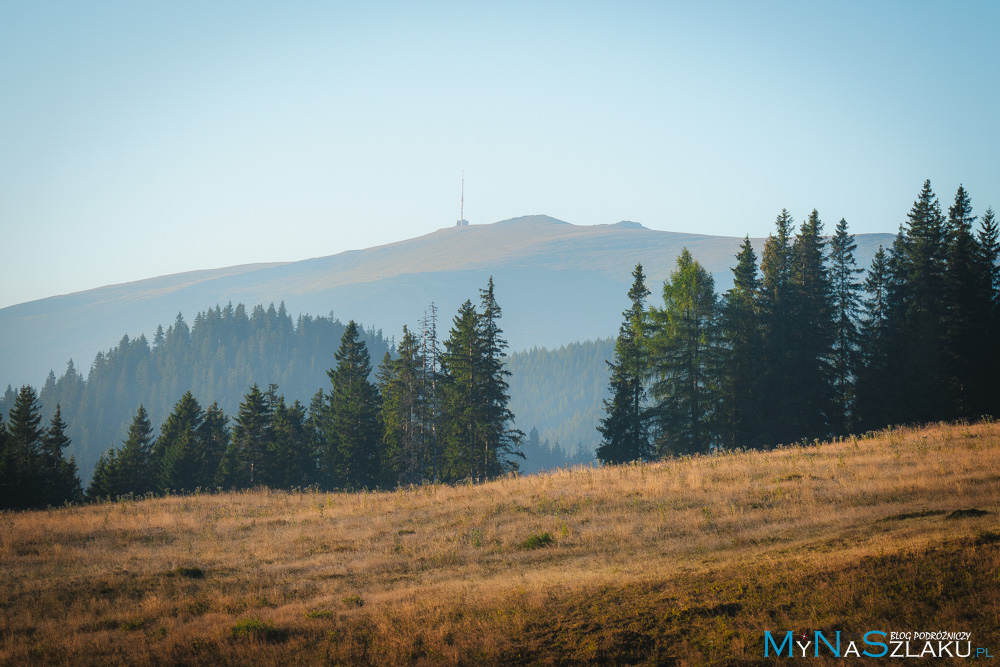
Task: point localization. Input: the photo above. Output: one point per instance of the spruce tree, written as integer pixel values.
(775, 302)
(130, 469)
(684, 349)
(176, 451)
(24, 486)
(289, 453)
(352, 429)
(213, 439)
(810, 384)
(8, 467)
(462, 404)
(989, 253)
(916, 323)
(741, 388)
(965, 331)
(405, 456)
(430, 378)
(244, 464)
(502, 441)
(60, 483)
(875, 383)
(846, 305)
(624, 434)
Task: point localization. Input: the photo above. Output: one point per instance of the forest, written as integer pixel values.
(801, 348)
(435, 412)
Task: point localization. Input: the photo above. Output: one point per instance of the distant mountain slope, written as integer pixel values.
(556, 282)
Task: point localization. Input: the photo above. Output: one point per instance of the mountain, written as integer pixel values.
(556, 282)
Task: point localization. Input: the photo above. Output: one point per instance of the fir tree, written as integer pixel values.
(23, 487)
(60, 483)
(624, 435)
(502, 442)
(874, 383)
(741, 390)
(176, 450)
(989, 253)
(245, 461)
(775, 303)
(352, 429)
(213, 439)
(846, 305)
(965, 330)
(917, 314)
(810, 383)
(289, 452)
(462, 404)
(130, 469)
(405, 456)
(684, 347)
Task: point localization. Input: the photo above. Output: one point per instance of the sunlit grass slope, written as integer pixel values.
(687, 561)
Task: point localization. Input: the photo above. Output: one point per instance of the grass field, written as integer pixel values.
(687, 561)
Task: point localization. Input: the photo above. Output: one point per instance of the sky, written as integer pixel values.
(140, 139)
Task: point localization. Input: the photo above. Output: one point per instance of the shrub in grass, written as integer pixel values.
(255, 629)
(137, 623)
(190, 572)
(354, 601)
(537, 541)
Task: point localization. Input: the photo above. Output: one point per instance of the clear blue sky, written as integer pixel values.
(144, 138)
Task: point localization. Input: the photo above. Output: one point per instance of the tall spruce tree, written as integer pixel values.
(502, 440)
(24, 487)
(917, 314)
(846, 306)
(352, 429)
(741, 389)
(811, 399)
(60, 483)
(624, 434)
(874, 384)
(289, 452)
(405, 457)
(965, 330)
(176, 451)
(462, 403)
(213, 439)
(245, 463)
(130, 469)
(775, 302)
(684, 349)
(989, 254)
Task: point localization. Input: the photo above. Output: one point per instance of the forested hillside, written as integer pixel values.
(226, 350)
(217, 359)
(560, 393)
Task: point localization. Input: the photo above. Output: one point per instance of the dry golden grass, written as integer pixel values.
(684, 561)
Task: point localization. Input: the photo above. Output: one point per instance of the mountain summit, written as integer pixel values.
(557, 282)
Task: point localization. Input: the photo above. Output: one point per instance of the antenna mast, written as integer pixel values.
(462, 222)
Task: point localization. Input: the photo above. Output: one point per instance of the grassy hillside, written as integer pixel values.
(685, 561)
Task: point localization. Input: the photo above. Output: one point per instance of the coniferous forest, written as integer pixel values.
(802, 347)
(434, 411)
(805, 345)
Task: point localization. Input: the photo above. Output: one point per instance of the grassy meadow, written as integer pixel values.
(686, 561)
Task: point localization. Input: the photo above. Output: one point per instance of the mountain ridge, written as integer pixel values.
(558, 283)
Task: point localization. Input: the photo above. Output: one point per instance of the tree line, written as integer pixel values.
(802, 348)
(434, 412)
(222, 352)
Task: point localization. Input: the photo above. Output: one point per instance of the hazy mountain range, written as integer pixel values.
(556, 282)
